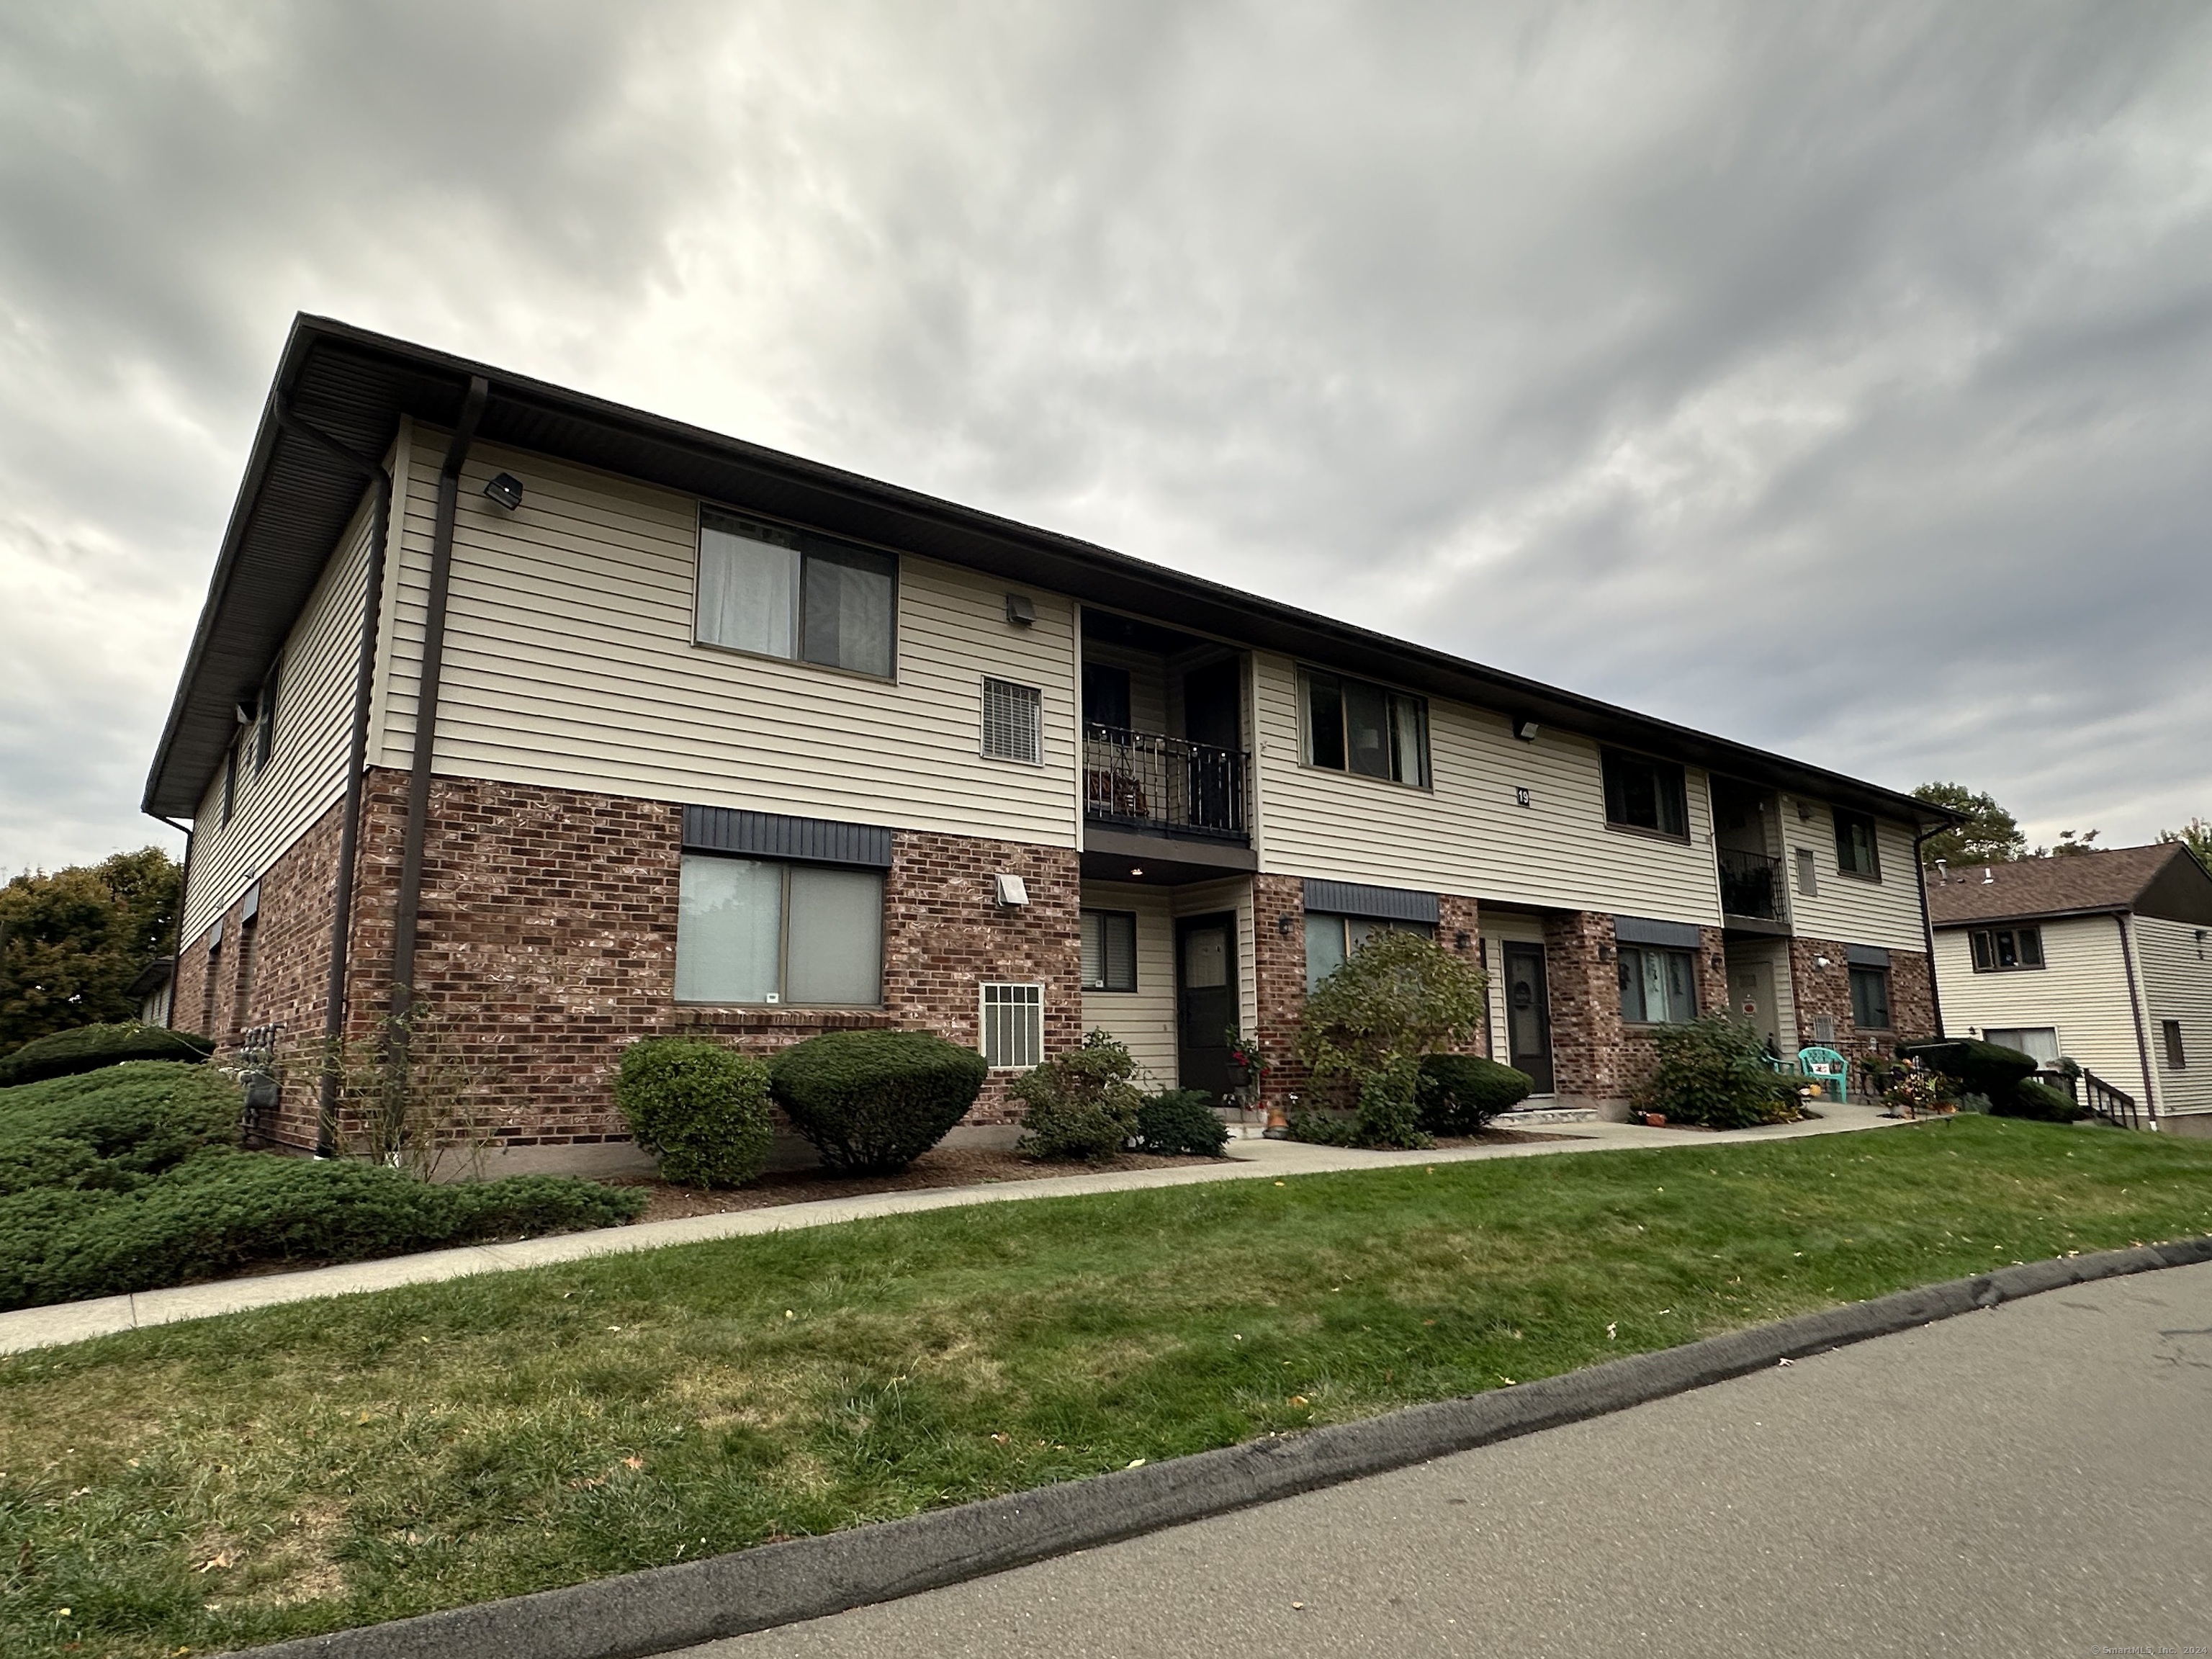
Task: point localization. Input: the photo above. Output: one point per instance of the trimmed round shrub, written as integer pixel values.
(1181, 1123)
(112, 1129)
(699, 1108)
(1981, 1069)
(872, 1102)
(1081, 1103)
(1460, 1093)
(88, 1048)
(224, 1210)
(2039, 1102)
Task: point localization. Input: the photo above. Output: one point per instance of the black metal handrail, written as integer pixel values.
(1149, 782)
(2116, 1106)
(1751, 884)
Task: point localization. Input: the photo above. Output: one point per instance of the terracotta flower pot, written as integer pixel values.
(1656, 1119)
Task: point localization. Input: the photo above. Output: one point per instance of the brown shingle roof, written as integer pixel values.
(2092, 882)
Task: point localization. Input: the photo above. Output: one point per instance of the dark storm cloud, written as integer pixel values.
(1830, 377)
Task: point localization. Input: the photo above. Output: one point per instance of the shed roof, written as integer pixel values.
(296, 497)
(2164, 880)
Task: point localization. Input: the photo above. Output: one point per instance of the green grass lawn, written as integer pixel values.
(300, 1468)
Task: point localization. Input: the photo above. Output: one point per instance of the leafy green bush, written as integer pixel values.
(1180, 1122)
(1366, 1027)
(1713, 1071)
(1459, 1094)
(1982, 1068)
(699, 1108)
(1080, 1104)
(113, 1128)
(872, 1102)
(2039, 1102)
(222, 1211)
(88, 1048)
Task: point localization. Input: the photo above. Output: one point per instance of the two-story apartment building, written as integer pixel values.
(587, 724)
(2105, 958)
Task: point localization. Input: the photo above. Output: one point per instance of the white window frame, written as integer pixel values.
(999, 1004)
(1034, 697)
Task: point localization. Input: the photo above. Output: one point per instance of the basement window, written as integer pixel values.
(1013, 1018)
(773, 592)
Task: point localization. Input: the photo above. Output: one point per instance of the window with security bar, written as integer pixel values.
(1013, 1026)
(1013, 722)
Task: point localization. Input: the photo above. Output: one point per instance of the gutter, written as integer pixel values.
(406, 919)
(334, 996)
(184, 894)
(1928, 925)
(2135, 1007)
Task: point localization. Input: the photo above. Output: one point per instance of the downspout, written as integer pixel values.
(406, 919)
(334, 996)
(2135, 1006)
(184, 891)
(1926, 926)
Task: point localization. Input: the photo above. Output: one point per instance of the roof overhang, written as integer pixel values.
(2015, 919)
(296, 497)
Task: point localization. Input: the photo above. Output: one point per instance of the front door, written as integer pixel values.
(1528, 1014)
(1751, 1000)
(1213, 714)
(1206, 999)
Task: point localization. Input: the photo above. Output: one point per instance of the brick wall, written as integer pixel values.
(1584, 991)
(1828, 991)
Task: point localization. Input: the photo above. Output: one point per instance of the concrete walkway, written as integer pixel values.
(75, 1321)
(2028, 1480)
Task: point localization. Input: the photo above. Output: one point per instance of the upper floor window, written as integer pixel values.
(1013, 722)
(1350, 726)
(1110, 950)
(1657, 987)
(761, 590)
(1996, 949)
(753, 930)
(230, 781)
(1641, 794)
(1330, 940)
(1854, 845)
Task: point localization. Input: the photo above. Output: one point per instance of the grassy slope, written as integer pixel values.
(304, 1467)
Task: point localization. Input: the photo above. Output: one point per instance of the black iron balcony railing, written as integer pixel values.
(1751, 884)
(1147, 781)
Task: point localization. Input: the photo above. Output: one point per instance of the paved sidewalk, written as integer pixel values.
(2028, 1480)
(73, 1321)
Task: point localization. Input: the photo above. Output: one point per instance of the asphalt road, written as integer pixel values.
(2033, 1480)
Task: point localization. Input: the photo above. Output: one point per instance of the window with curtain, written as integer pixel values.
(756, 930)
(1110, 950)
(763, 590)
(2039, 1042)
(1657, 987)
(1331, 940)
(1642, 793)
(1349, 726)
(265, 725)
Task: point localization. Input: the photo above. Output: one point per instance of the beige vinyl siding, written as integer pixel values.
(1775, 954)
(570, 663)
(1467, 835)
(1206, 898)
(306, 774)
(1144, 1018)
(1498, 930)
(2083, 993)
(1852, 909)
(2176, 971)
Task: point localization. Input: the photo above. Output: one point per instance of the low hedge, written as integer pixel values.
(699, 1108)
(114, 1129)
(872, 1102)
(223, 1211)
(1181, 1123)
(1459, 1094)
(88, 1048)
(1981, 1069)
(2038, 1102)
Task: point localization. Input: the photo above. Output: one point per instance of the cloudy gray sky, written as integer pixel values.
(1831, 377)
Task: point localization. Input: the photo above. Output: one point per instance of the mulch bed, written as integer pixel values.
(1499, 1137)
(941, 1166)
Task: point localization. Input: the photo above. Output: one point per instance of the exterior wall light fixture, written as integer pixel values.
(1525, 728)
(505, 488)
(1283, 924)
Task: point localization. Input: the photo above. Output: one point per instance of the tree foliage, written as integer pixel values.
(1989, 836)
(72, 940)
(2195, 835)
(1397, 998)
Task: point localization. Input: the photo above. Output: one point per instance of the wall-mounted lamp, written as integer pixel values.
(1010, 891)
(1136, 869)
(1021, 610)
(1461, 941)
(1285, 922)
(1525, 728)
(1718, 960)
(505, 488)
(1605, 954)
(1820, 962)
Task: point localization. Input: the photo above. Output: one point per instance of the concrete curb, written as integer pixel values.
(664, 1608)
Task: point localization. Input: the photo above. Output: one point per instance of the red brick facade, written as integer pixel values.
(1827, 991)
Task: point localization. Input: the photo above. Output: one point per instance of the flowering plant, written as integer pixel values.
(1245, 1052)
(1913, 1089)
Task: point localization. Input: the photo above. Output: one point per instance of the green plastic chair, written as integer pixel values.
(1829, 1067)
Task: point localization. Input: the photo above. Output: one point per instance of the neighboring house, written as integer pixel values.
(614, 726)
(2103, 958)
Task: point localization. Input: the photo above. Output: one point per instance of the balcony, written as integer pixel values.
(1751, 884)
(1147, 784)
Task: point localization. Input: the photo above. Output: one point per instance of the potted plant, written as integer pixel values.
(1247, 1064)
